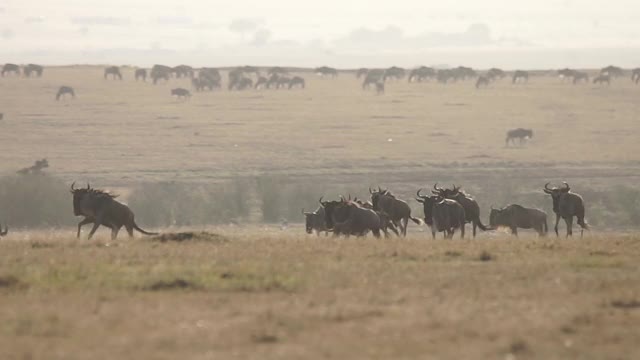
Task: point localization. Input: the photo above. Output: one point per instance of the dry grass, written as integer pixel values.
(264, 293)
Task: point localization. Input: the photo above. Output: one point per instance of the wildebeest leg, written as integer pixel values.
(96, 224)
(514, 231)
(556, 227)
(405, 221)
(376, 232)
(114, 232)
(474, 225)
(84, 221)
(569, 222)
(462, 230)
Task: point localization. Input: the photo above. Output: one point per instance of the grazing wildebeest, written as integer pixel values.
(296, 81)
(635, 75)
(65, 90)
(5, 231)
(515, 216)
(566, 205)
(348, 218)
(114, 71)
(361, 72)
(495, 73)
(373, 77)
(261, 83)
(33, 69)
(602, 78)
(398, 210)
(326, 71)
(100, 208)
(160, 72)
(519, 133)
(394, 72)
(470, 205)
(181, 93)
(566, 73)
(11, 68)
(612, 71)
(520, 76)
(141, 74)
(421, 74)
(482, 81)
(35, 169)
(580, 76)
(314, 221)
(182, 71)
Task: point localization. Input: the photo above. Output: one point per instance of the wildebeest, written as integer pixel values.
(10, 68)
(160, 72)
(421, 74)
(398, 210)
(449, 216)
(566, 73)
(283, 82)
(114, 71)
(5, 231)
(203, 83)
(210, 77)
(35, 169)
(515, 216)
(314, 221)
(470, 205)
(482, 81)
(63, 90)
(326, 71)
(181, 93)
(495, 73)
(635, 75)
(580, 76)
(361, 72)
(394, 72)
(33, 69)
(444, 75)
(566, 205)
(182, 71)
(520, 134)
(385, 220)
(276, 70)
(602, 78)
(241, 83)
(373, 76)
(100, 208)
(612, 71)
(379, 88)
(296, 81)
(520, 76)
(348, 218)
(141, 74)
(261, 83)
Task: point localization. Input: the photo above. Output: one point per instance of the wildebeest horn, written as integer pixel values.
(546, 186)
(370, 191)
(492, 207)
(302, 211)
(88, 186)
(379, 189)
(420, 196)
(566, 185)
(72, 186)
(320, 201)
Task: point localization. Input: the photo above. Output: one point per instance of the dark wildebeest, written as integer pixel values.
(100, 208)
(464, 73)
(580, 76)
(421, 74)
(361, 72)
(398, 210)
(470, 205)
(314, 221)
(566, 73)
(602, 78)
(385, 220)
(272, 82)
(241, 83)
(11, 68)
(520, 76)
(515, 216)
(348, 218)
(612, 71)
(182, 71)
(326, 71)
(65, 90)
(519, 133)
(33, 69)
(394, 72)
(114, 71)
(283, 82)
(261, 83)
(296, 81)
(482, 81)
(5, 231)
(160, 72)
(180, 93)
(635, 75)
(495, 73)
(566, 205)
(373, 77)
(444, 75)
(141, 74)
(448, 216)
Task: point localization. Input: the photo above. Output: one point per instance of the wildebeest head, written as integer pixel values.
(427, 204)
(81, 194)
(555, 193)
(314, 220)
(376, 195)
(497, 217)
(445, 192)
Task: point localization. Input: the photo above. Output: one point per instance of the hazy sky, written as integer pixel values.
(338, 31)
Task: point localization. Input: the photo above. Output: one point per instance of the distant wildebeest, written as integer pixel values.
(5, 231)
(204, 83)
(181, 71)
(520, 134)
(361, 72)
(470, 205)
(277, 71)
(326, 71)
(100, 208)
(394, 72)
(482, 81)
(379, 88)
(495, 73)
(297, 81)
(348, 218)
(283, 82)
(635, 75)
(463, 73)
(65, 90)
(566, 74)
(601, 79)
(314, 221)
(181, 93)
(210, 78)
(10, 68)
(515, 216)
(566, 205)
(612, 71)
(444, 75)
(141, 74)
(114, 71)
(242, 83)
(37, 70)
(398, 210)
(421, 74)
(272, 82)
(261, 83)
(442, 215)
(373, 77)
(580, 76)
(35, 169)
(160, 72)
(520, 76)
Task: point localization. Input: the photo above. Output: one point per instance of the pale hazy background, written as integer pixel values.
(341, 33)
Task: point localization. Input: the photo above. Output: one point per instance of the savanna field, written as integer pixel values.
(234, 169)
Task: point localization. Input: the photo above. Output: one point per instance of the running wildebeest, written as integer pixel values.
(515, 216)
(314, 221)
(482, 81)
(33, 69)
(464, 73)
(35, 169)
(580, 76)
(181, 93)
(566, 73)
(602, 78)
(448, 217)
(114, 71)
(326, 71)
(421, 74)
(272, 82)
(160, 72)
(10, 68)
(5, 231)
(361, 72)
(141, 74)
(394, 72)
(348, 218)
(566, 205)
(100, 208)
(612, 71)
(520, 134)
(65, 90)
(182, 71)
(635, 75)
(398, 210)
(470, 205)
(385, 220)
(297, 81)
(520, 76)
(373, 77)
(495, 73)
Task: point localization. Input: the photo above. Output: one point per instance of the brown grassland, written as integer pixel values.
(255, 291)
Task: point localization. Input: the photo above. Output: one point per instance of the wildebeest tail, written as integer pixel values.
(482, 226)
(416, 220)
(583, 223)
(135, 226)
